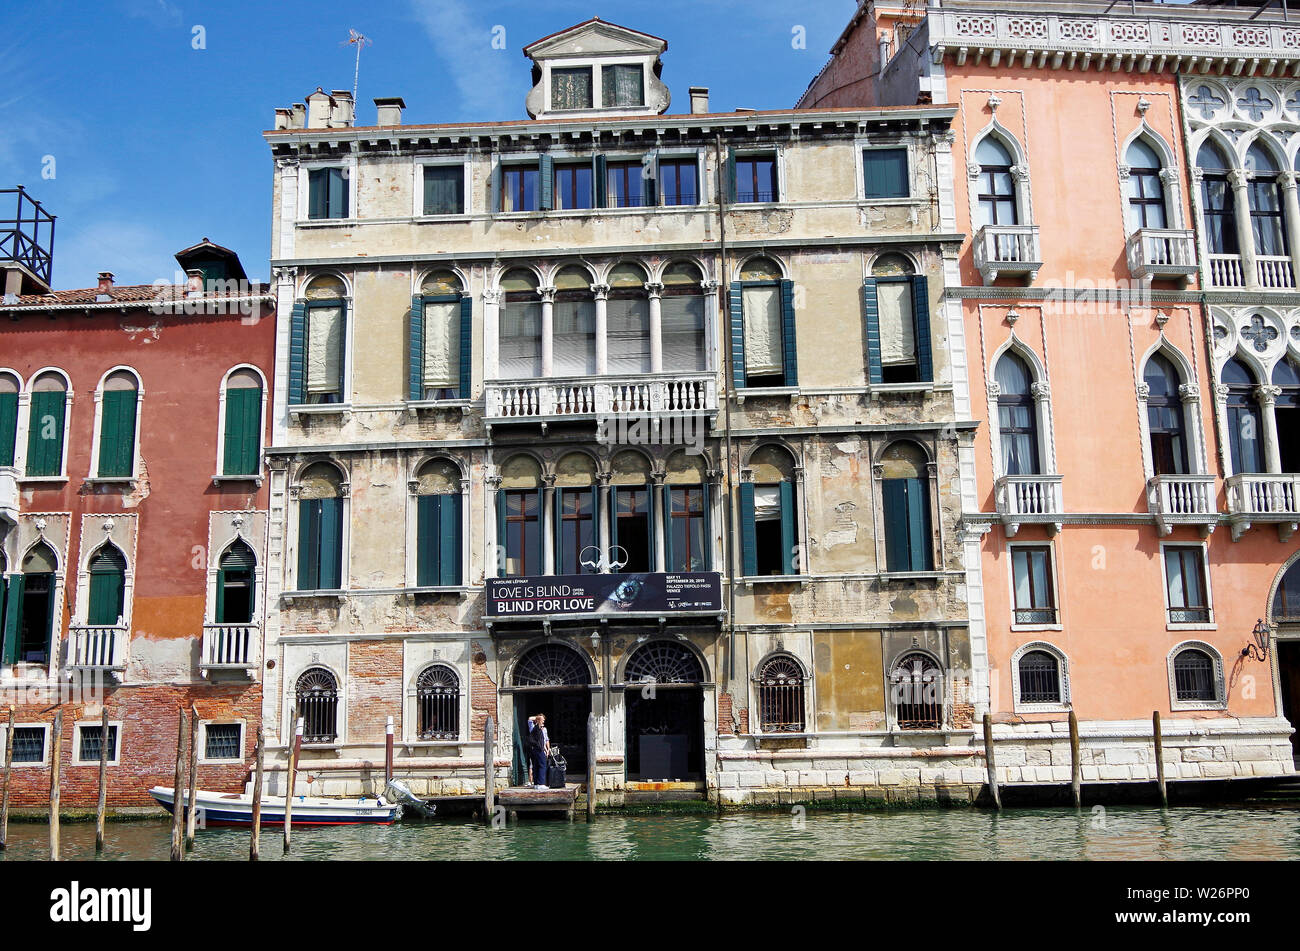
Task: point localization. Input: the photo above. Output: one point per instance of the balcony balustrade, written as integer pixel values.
(1008, 250)
(1182, 500)
(1032, 499)
(1162, 254)
(544, 400)
(1258, 498)
(229, 647)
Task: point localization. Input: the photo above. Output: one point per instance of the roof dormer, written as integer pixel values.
(597, 69)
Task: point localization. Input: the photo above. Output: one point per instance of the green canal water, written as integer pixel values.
(1115, 833)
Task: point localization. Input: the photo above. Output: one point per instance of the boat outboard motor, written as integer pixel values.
(398, 791)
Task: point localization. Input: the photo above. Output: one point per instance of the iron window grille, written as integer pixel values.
(89, 743)
(317, 698)
(1194, 678)
(222, 741)
(780, 695)
(437, 696)
(551, 665)
(663, 662)
(917, 685)
(29, 744)
(1040, 678)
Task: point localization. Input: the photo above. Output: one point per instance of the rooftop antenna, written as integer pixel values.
(358, 40)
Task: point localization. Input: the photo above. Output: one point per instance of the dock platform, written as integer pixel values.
(517, 800)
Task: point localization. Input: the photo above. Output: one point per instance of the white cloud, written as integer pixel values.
(485, 87)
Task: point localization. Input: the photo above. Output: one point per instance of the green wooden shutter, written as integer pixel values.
(918, 525)
(600, 180)
(117, 433)
(105, 597)
(545, 183)
(666, 494)
(8, 427)
(45, 439)
(220, 616)
(921, 316)
(449, 521)
(316, 192)
(252, 430)
(343, 349)
(297, 354)
(738, 334)
(415, 349)
(331, 543)
(748, 532)
(338, 199)
(309, 518)
(426, 540)
(789, 350)
(894, 492)
(13, 619)
(243, 431)
(729, 175)
(787, 528)
(708, 527)
(466, 345)
(871, 311)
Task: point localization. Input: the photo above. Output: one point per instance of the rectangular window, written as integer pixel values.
(626, 185)
(325, 340)
(522, 532)
(686, 534)
(45, 433)
(571, 88)
(1185, 584)
(88, 743)
(628, 334)
(682, 332)
(519, 351)
(576, 532)
(573, 186)
(29, 744)
(909, 543)
(885, 173)
(223, 741)
(441, 371)
(678, 181)
(773, 543)
(444, 189)
(29, 618)
(320, 544)
(327, 193)
(519, 188)
(756, 179)
(631, 536)
(243, 436)
(622, 86)
(117, 434)
(764, 363)
(897, 314)
(1031, 569)
(437, 541)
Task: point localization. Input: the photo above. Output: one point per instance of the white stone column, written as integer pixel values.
(654, 292)
(1190, 394)
(1267, 394)
(548, 329)
(605, 510)
(548, 524)
(491, 322)
(712, 327)
(1239, 181)
(494, 564)
(1291, 208)
(659, 519)
(601, 293)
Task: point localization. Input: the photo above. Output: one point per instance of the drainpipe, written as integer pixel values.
(728, 390)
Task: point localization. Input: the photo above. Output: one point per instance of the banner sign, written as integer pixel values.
(696, 592)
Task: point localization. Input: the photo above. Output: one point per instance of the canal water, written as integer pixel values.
(1112, 833)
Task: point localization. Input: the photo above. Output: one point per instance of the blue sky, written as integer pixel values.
(154, 144)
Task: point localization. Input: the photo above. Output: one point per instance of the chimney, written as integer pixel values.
(344, 111)
(320, 108)
(390, 110)
(699, 100)
(194, 283)
(105, 282)
(299, 120)
(282, 118)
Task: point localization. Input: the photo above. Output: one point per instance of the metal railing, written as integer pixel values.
(97, 646)
(28, 237)
(558, 398)
(229, 645)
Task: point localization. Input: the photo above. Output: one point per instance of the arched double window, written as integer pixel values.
(1146, 193)
(779, 685)
(316, 697)
(916, 688)
(996, 189)
(1166, 420)
(1245, 429)
(320, 528)
(1218, 204)
(437, 699)
(905, 489)
(1017, 417)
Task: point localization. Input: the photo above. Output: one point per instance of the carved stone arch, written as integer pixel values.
(122, 369)
(796, 452)
(39, 543)
(499, 273)
(1215, 135)
(1144, 130)
(572, 644)
(671, 260)
(1005, 136)
(1265, 139)
(308, 276)
(1013, 343)
(50, 371)
(1175, 356)
(455, 270)
(420, 460)
(782, 267)
(1273, 588)
(340, 469)
(805, 670)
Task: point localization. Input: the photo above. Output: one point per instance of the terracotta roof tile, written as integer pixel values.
(122, 294)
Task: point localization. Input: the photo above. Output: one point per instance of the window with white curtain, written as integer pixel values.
(441, 345)
(325, 352)
(520, 340)
(763, 330)
(628, 333)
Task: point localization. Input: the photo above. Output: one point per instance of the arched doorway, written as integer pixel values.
(554, 679)
(664, 701)
(1285, 615)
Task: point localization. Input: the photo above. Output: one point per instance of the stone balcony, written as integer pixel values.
(1008, 251)
(230, 648)
(1029, 499)
(1263, 498)
(1273, 272)
(591, 398)
(1162, 254)
(1183, 500)
(98, 648)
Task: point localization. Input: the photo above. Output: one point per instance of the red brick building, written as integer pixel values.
(132, 517)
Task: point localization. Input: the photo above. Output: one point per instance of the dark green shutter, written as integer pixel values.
(667, 499)
(871, 311)
(789, 354)
(595, 522)
(729, 175)
(896, 528)
(331, 543)
(738, 334)
(8, 427)
(600, 180)
(415, 350)
(105, 596)
(921, 317)
(343, 348)
(449, 540)
(466, 344)
(426, 539)
(708, 527)
(13, 619)
(243, 431)
(650, 525)
(220, 616)
(748, 532)
(787, 528)
(918, 525)
(545, 183)
(309, 518)
(117, 433)
(297, 354)
(45, 455)
(316, 192)
(338, 199)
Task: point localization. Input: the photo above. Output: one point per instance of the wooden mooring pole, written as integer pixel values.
(388, 751)
(489, 770)
(1076, 768)
(591, 766)
(178, 789)
(255, 846)
(1160, 757)
(102, 803)
(191, 814)
(989, 763)
(56, 759)
(292, 779)
(4, 797)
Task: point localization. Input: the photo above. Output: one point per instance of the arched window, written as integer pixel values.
(687, 538)
(1265, 197)
(769, 518)
(577, 515)
(1017, 417)
(519, 352)
(627, 321)
(682, 319)
(1039, 676)
(780, 695)
(46, 422)
(996, 189)
(440, 339)
(242, 439)
(1165, 417)
(438, 526)
(117, 417)
(107, 587)
(519, 517)
(1146, 193)
(1217, 201)
(10, 385)
(1286, 414)
(898, 341)
(316, 696)
(235, 584)
(632, 531)
(764, 317)
(574, 323)
(916, 685)
(1244, 424)
(1286, 603)
(321, 314)
(30, 608)
(320, 528)
(437, 698)
(663, 662)
(905, 489)
(551, 665)
(1195, 676)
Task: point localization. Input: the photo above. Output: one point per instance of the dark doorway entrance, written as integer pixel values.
(664, 714)
(552, 679)
(1288, 667)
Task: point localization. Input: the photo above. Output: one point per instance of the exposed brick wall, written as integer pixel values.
(147, 754)
(963, 711)
(374, 686)
(726, 720)
(482, 693)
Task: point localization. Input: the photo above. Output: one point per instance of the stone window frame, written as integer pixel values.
(260, 476)
(94, 475)
(44, 761)
(412, 520)
(417, 186)
(1189, 391)
(800, 493)
(1220, 682)
(939, 548)
(350, 165)
(348, 303)
(116, 759)
(203, 757)
(1209, 625)
(863, 144)
(808, 696)
(1050, 544)
(1019, 171)
(1039, 387)
(1064, 705)
(291, 531)
(1170, 175)
(24, 425)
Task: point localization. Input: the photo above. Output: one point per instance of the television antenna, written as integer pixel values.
(358, 40)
